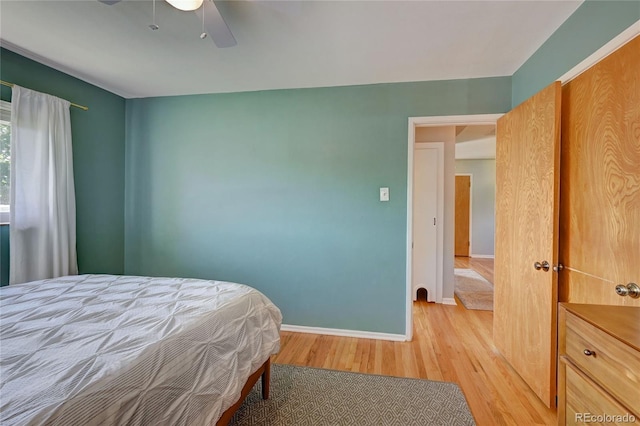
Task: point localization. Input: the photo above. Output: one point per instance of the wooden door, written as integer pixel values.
(600, 210)
(527, 188)
(462, 220)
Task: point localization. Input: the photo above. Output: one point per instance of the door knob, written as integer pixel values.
(631, 290)
(544, 266)
(634, 290)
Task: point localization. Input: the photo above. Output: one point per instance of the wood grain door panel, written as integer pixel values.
(600, 188)
(527, 191)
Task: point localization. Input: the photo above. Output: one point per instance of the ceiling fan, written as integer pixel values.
(213, 22)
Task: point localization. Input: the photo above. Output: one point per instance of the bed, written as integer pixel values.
(105, 349)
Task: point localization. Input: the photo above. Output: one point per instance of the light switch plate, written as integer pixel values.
(384, 194)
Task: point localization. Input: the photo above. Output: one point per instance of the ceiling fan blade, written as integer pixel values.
(215, 25)
(109, 2)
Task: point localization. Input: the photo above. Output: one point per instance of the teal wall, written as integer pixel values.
(279, 190)
(98, 159)
(589, 28)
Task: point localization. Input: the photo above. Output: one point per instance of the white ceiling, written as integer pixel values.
(474, 132)
(475, 142)
(280, 44)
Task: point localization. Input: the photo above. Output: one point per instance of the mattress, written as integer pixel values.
(104, 349)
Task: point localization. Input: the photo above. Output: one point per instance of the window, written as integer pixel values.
(5, 159)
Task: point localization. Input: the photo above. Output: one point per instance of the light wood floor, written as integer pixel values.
(482, 266)
(450, 344)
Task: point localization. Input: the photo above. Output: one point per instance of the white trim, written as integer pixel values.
(483, 256)
(343, 333)
(443, 120)
(470, 210)
(613, 45)
(408, 328)
(454, 120)
(449, 301)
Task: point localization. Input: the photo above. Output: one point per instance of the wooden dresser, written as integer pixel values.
(599, 364)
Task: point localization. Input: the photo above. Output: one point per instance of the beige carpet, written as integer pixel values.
(473, 290)
(302, 396)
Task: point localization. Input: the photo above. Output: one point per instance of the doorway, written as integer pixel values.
(445, 129)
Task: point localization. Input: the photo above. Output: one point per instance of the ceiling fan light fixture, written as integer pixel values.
(186, 5)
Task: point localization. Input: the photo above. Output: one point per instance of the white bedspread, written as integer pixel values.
(115, 350)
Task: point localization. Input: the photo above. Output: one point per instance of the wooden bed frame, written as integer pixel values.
(265, 372)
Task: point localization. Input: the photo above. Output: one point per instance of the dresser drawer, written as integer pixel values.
(587, 403)
(609, 362)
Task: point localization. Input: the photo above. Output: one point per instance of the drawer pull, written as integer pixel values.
(587, 352)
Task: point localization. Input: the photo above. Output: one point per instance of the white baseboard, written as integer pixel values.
(483, 256)
(344, 333)
(449, 301)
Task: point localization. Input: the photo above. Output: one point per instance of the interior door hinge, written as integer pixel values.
(434, 221)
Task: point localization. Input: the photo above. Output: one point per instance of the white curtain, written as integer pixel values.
(42, 233)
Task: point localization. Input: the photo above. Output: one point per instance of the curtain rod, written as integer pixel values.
(6, 83)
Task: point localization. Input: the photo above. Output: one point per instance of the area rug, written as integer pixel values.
(473, 290)
(312, 396)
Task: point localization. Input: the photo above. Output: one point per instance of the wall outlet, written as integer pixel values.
(384, 194)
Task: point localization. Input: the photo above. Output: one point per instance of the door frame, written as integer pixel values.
(434, 121)
(470, 211)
